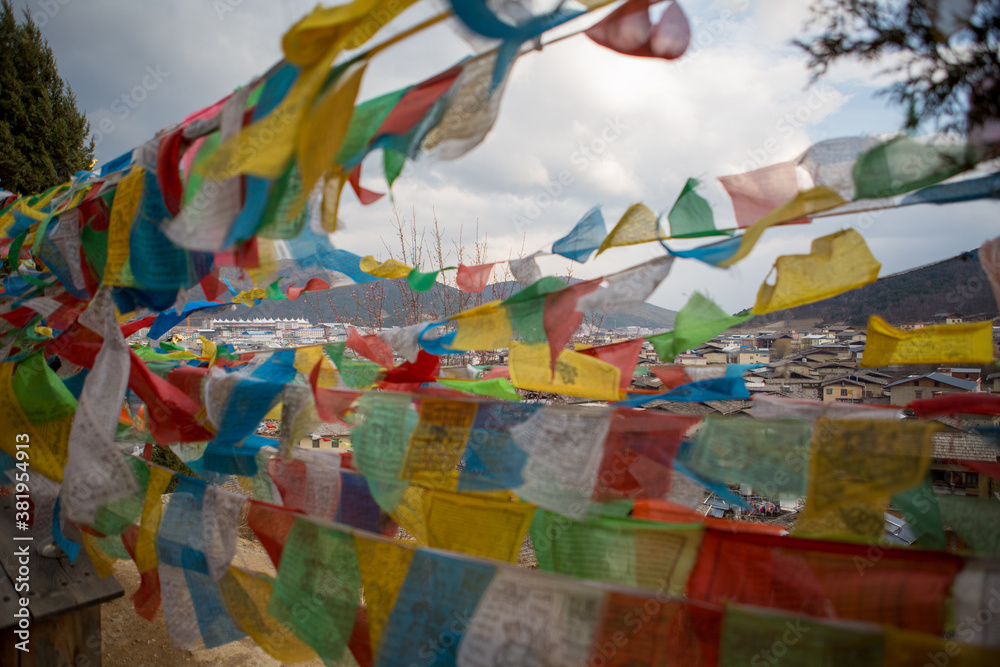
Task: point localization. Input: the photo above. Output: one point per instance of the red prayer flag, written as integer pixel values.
(371, 347)
(624, 355)
(313, 285)
(628, 30)
(473, 278)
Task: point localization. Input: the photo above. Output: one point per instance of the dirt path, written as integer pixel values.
(128, 640)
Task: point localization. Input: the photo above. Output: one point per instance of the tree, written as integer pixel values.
(944, 51)
(43, 136)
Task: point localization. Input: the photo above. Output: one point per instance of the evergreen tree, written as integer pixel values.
(43, 136)
(945, 53)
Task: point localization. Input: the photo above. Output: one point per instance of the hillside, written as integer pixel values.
(353, 303)
(956, 285)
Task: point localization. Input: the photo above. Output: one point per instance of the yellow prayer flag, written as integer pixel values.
(247, 297)
(247, 595)
(383, 567)
(323, 130)
(485, 327)
(306, 359)
(437, 442)
(638, 225)
(575, 374)
(334, 185)
(805, 204)
(123, 209)
(837, 263)
(967, 343)
(488, 527)
(208, 350)
(390, 268)
(149, 524)
(855, 466)
(103, 563)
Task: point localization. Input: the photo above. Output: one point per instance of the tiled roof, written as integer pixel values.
(967, 385)
(965, 446)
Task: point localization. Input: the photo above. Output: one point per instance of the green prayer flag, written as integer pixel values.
(691, 217)
(355, 372)
(975, 520)
(42, 395)
(365, 121)
(392, 162)
(319, 567)
(15, 250)
(495, 387)
(273, 292)
(421, 282)
(749, 634)
(527, 309)
(902, 165)
(115, 517)
(919, 506)
(699, 321)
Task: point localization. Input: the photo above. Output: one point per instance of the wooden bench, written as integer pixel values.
(64, 602)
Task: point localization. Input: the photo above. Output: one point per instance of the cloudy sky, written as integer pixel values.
(739, 99)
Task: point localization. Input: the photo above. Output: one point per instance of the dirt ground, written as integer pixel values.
(128, 640)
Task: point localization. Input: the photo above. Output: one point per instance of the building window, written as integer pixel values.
(843, 392)
(917, 393)
(315, 443)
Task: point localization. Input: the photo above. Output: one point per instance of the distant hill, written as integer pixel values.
(956, 285)
(351, 303)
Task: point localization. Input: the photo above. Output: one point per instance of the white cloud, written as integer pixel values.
(623, 129)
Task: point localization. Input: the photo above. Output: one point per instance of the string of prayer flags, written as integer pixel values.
(473, 278)
(628, 30)
(967, 343)
(637, 225)
(691, 216)
(836, 263)
(585, 238)
(698, 321)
